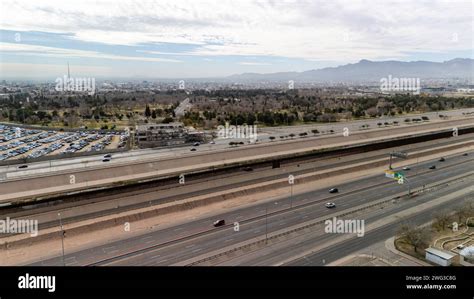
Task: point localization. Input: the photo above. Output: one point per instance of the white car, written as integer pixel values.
(330, 205)
(406, 168)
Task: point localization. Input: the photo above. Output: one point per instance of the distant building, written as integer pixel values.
(156, 135)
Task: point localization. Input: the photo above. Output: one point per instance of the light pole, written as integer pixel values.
(266, 223)
(62, 237)
(291, 196)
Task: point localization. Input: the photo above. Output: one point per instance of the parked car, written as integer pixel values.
(193, 149)
(406, 168)
(105, 160)
(108, 156)
(23, 166)
(333, 190)
(433, 167)
(442, 159)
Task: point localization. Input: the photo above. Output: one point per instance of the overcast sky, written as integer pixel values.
(183, 39)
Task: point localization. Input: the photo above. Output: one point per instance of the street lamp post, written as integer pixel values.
(266, 223)
(291, 196)
(62, 237)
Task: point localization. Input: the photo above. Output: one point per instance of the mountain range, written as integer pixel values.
(371, 71)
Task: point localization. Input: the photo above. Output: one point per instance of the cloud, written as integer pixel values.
(253, 63)
(27, 49)
(313, 30)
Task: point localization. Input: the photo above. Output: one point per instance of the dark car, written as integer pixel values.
(465, 154)
(433, 167)
(108, 156)
(23, 166)
(105, 160)
(442, 159)
(333, 190)
(219, 222)
(193, 149)
(248, 168)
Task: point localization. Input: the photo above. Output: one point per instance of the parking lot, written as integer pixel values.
(16, 142)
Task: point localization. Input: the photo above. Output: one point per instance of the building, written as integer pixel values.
(156, 135)
(439, 256)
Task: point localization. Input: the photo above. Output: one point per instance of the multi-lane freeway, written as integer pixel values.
(195, 238)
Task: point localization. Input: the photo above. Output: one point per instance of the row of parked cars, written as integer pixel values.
(50, 141)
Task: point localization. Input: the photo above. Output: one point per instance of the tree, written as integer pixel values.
(147, 111)
(440, 220)
(153, 114)
(414, 236)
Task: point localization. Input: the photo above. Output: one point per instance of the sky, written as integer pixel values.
(200, 39)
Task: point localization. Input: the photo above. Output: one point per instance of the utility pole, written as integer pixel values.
(62, 238)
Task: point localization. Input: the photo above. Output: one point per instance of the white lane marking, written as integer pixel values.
(228, 240)
(190, 246)
(196, 250)
(176, 229)
(155, 256)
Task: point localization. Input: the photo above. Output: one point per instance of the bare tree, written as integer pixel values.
(440, 221)
(414, 236)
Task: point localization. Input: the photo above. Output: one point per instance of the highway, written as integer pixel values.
(111, 203)
(28, 183)
(345, 248)
(147, 154)
(252, 220)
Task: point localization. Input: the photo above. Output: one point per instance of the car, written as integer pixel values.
(333, 190)
(442, 159)
(219, 222)
(105, 160)
(406, 168)
(433, 167)
(330, 205)
(23, 166)
(248, 168)
(108, 156)
(460, 246)
(196, 144)
(465, 154)
(212, 142)
(193, 149)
